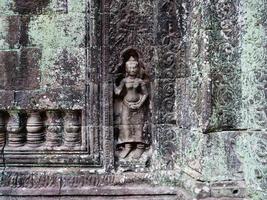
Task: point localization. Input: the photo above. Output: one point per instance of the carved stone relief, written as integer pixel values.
(130, 34)
(15, 133)
(41, 129)
(34, 127)
(54, 128)
(131, 24)
(72, 126)
(131, 107)
(225, 71)
(2, 130)
(120, 93)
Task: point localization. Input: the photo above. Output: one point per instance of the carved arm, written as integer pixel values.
(118, 89)
(145, 93)
(142, 99)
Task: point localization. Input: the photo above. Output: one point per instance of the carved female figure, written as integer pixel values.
(131, 134)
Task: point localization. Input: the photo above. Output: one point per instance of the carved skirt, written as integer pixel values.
(132, 124)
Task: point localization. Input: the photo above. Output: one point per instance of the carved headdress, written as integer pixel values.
(134, 54)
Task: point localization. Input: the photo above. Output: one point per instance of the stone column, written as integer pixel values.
(35, 134)
(72, 126)
(14, 127)
(2, 130)
(54, 128)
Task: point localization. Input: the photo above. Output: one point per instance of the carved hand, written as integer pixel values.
(118, 89)
(136, 105)
(115, 89)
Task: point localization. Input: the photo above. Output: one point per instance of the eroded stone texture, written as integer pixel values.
(253, 63)
(224, 64)
(202, 79)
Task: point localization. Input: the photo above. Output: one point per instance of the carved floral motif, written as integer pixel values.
(170, 38)
(166, 102)
(225, 72)
(131, 24)
(261, 151)
(168, 139)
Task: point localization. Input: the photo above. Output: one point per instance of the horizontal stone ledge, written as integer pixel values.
(226, 198)
(119, 191)
(142, 197)
(243, 131)
(94, 191)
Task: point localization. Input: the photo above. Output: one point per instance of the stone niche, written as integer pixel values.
(136, 99)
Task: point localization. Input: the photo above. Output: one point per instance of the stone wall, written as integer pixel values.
(203, 65)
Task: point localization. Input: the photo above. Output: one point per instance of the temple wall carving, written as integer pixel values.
(34, 129)
(166, 98)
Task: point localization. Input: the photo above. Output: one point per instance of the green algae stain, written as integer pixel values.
(215, 161)
(77, 6)
(253, 64)
(3, 33)
(54, 31)
(56, 34)
(251, 148)
(6, 7)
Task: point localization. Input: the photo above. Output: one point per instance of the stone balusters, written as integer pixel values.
(54, 128)
(33, 129)
(16, 137)
(72, 126)
(2, 130)
(35, 134)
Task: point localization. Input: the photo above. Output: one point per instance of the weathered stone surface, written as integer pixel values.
(10, 32)
(164, 98)
(16, 68)
(201, 75)
(253, 62)
(9, 69)
(221, 159)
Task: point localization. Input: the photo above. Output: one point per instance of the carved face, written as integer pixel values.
(132, 67)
